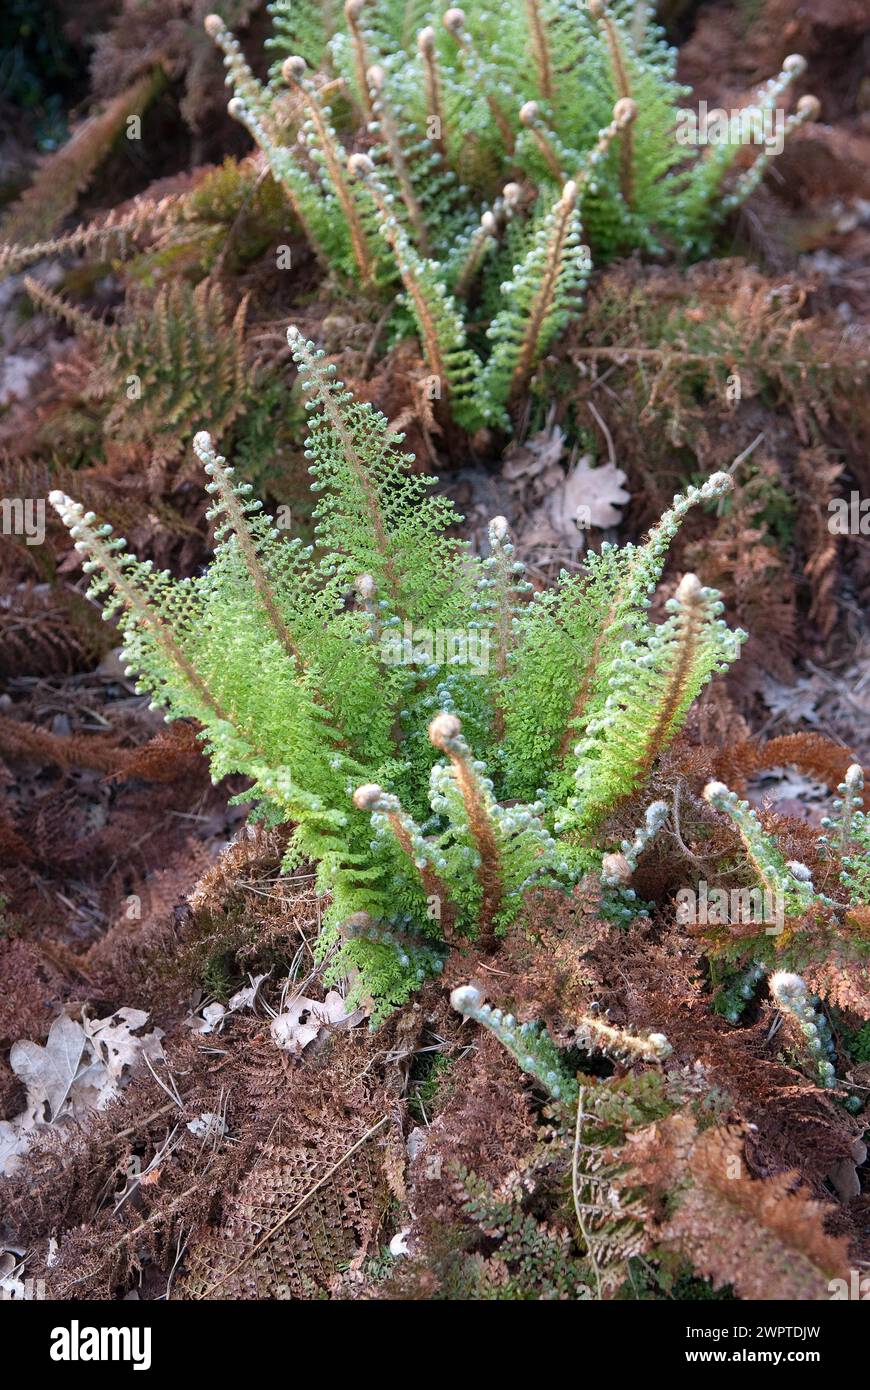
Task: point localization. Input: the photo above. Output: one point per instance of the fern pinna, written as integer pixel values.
(482, 184)
(386, 690)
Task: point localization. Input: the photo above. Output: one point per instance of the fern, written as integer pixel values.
(489, 184)
(174, 359)
(287, 656)
(819, 938)
(457, 114)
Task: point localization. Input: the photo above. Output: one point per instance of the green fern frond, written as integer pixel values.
(316, 671)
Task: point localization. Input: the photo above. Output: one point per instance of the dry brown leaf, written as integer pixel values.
(761, 1236)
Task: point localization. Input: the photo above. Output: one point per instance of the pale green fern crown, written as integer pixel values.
(386, 690)
(506, 146)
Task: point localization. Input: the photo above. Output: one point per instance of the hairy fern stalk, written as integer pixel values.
(439, 738)
(497, 152)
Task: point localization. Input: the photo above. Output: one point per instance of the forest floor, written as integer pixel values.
(129, 882)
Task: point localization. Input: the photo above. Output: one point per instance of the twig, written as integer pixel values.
(575, 1190)
(602, 425)
(373, 341)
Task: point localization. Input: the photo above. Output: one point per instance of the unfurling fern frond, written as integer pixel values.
(317, 674)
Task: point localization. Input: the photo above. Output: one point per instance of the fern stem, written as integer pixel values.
(432, 80)
(383, 113)
(807, 110)
(490, 224)
(102, 553)
(284, 169)
(293, 72)
(406, 258)
(624, 112)
(445, 732)
(239, 75)
(352, 11)
(374, 799)
(530, 117)
(119, 226)
(304, 353)
(642, 574)
(482, 236)
(563, 217)
(541, 48)
(594, 1033)
(690, 625)
(503, 583)
(81, 322)
(454, 22)
(598, 10)
(216, 467)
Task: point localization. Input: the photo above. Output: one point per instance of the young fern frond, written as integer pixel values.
(529, 1043)
(233, 501)
(706, 197)
(353, 10)
(475, 817)
(315, 209)
(530, 118)
(387, 814)
(324, 139)
(651, 685)
(542, 297)
(536, 1053)
(287, 656)
(848, 807)
(569, 639)
(442, 333)
(620, 62)
(540, 48)
(482, 76)
(384, 123)
(239, 75)
(125, 585)
(467, 258)
(435, 118)
(786, 882)
(496, 852)
(374, 516)
(807, 110)
(617, 868)
(502, 586)
(793, 999)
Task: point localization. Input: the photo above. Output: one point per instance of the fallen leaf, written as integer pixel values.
(246, 998)
(81, 1068)
(298, 1025)
(208, 1126)
(117, 1045)
(49, 1072)
(589, 497)
(539, 452)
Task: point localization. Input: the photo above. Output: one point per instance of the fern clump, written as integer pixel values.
(373, 688)
(486, 182)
